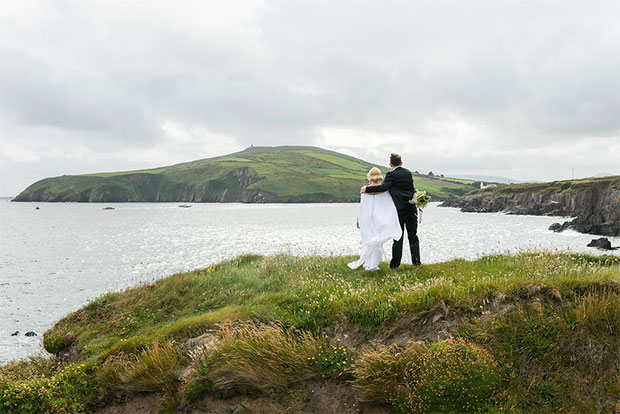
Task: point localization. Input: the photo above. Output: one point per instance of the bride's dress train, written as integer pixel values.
(378, 223)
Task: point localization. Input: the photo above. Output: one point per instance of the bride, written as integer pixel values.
(378, 221)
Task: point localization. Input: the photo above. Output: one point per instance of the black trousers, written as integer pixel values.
(408, 218)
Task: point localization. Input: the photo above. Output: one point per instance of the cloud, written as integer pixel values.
(18, 154)
(197, 139)
(457, 86)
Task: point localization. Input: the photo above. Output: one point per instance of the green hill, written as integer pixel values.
(254, 175)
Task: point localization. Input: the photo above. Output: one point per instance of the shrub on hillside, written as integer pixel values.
(382, 372)
(332, 359)
(449, 376)
(54, 389)
(453, 376)
(54, 342)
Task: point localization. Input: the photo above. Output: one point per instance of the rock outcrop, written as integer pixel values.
(602, 243)
(595, 203)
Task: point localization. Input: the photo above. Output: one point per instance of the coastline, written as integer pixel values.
(593, 203)
(84, 252)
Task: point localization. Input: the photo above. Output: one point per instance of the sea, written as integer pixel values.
(56, 257)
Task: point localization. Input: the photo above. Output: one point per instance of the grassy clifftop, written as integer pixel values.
(535, 332)
(580, 185)
(256, 174)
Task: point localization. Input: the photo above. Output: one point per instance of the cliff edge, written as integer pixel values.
(594, 202)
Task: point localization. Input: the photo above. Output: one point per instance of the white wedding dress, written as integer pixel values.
(378, 223)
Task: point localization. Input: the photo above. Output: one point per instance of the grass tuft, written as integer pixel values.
(153, 369)
(255, 356)
(600, 312)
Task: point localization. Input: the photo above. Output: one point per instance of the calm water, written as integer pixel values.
(54, 260)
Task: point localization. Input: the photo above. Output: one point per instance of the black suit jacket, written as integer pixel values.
(399, 183)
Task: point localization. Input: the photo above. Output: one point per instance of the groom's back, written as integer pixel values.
(402, 188)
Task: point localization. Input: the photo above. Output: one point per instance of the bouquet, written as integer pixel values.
(420, 199)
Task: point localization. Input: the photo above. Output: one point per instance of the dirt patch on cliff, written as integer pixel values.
(142, 404)
(436, 324)
(443, 321)
(325, 396)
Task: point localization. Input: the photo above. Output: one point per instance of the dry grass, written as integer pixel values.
(600, 312)
(256, 356)
(153, 369)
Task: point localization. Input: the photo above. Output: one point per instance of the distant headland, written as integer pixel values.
(285, 174)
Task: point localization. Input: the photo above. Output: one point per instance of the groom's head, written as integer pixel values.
(395, 160)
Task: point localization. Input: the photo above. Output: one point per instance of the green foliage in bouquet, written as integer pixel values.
(420, 199)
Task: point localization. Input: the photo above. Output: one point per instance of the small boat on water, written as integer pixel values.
(184, 205)
(108, 208)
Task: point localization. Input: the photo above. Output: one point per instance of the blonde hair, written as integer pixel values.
(374, 175)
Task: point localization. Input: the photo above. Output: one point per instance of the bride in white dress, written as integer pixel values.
(378, 221)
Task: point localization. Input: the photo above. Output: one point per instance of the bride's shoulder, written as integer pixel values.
(370, 195)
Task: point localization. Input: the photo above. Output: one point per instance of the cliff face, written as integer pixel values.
(232, 187)
(595, 203)
(236, 186)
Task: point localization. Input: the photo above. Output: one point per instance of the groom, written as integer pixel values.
(399, 183)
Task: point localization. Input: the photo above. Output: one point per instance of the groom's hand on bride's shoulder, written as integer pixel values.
(363, 190)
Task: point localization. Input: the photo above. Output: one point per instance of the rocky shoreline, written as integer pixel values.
(594, 203)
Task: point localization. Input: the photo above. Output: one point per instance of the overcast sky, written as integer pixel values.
(522, 89)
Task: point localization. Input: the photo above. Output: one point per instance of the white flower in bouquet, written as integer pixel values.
(420, 200)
